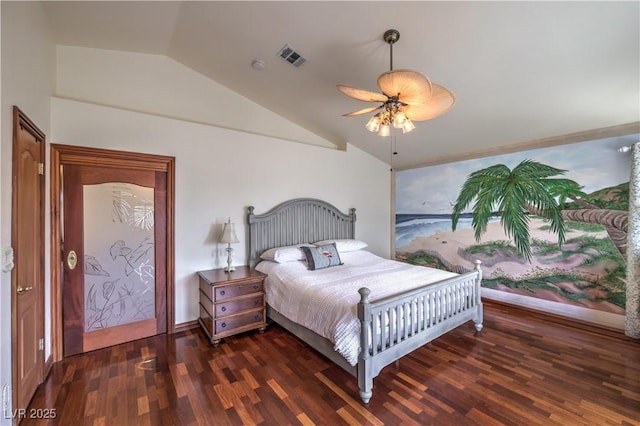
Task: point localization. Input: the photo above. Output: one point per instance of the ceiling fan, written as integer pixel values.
(407, 96)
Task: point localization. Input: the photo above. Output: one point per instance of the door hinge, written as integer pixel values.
(41, 344)
(40, 168)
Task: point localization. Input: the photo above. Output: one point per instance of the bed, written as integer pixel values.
(406, 307)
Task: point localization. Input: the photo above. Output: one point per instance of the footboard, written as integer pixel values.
(394, 326)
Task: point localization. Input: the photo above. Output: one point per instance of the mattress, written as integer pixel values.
(325, 300)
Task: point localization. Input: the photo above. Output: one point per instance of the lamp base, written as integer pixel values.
(230, 267)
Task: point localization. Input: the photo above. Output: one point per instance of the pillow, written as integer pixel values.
(284, 254)
(344, 245)
(320, 257)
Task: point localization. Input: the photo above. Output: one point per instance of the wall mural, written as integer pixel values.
(591, 191)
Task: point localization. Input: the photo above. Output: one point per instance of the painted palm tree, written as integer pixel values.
(531, 188)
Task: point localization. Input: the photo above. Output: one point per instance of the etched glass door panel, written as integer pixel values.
(119, 263)
(115, 263)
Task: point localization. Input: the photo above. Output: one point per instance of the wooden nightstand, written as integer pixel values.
(231, 302)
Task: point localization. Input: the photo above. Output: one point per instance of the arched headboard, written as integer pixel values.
(297, 221)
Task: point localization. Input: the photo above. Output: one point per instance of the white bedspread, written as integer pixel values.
(325, 300)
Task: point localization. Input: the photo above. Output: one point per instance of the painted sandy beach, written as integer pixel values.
(577, 274)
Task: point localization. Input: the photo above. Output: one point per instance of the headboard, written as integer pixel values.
(301, 220)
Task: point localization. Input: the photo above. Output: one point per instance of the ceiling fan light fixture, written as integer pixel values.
(385, 130)
(398, 120)
(407, 126)
(407, 96)
(374, 123)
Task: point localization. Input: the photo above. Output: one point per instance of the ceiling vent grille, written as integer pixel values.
(290, 55)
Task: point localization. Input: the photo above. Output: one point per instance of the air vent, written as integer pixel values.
(290, 55)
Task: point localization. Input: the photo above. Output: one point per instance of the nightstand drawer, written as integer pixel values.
(239, 305)
(230, 291)
(229, 324)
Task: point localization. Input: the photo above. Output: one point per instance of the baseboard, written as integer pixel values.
(184, 326)
(562, 310)
(559, 319)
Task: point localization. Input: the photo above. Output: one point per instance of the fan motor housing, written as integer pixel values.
(391, 36)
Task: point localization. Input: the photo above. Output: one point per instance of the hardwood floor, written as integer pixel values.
(523, 370)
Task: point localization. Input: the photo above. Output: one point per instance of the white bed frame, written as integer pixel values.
(439, 307)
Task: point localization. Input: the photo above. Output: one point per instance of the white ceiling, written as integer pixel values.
(521, 71)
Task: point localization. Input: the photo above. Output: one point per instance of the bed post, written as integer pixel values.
(252, 238)
(365, 381)
(352, 224)
(479, 316)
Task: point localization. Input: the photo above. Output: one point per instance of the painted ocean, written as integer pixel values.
(410, 226)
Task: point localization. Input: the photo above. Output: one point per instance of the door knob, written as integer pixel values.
(72, 260)
(21, 289)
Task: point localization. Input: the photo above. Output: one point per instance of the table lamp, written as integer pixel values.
(228, 237)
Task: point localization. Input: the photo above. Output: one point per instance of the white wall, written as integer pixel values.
(219, 172)
(160, 85)
(27, 72)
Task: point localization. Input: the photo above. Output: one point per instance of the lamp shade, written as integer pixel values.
(229, 234)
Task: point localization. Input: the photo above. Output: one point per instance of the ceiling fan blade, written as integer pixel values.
(361, 94)
(442, 100)
(362, 111)
(411, 87)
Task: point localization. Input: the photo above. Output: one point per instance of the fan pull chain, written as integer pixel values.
(392, 149)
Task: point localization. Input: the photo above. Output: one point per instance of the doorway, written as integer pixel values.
(112, 232)
(27, 276)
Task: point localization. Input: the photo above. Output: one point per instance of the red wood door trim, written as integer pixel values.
(67, 154)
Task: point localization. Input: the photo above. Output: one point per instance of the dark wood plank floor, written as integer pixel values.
(523, 370)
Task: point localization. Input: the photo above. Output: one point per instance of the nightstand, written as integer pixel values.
(231, 302)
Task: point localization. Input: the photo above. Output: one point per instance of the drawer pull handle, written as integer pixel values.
(257, 302)
(222, 293)
(257, 316)
(223, 309)
(223, 325)
(256, 286)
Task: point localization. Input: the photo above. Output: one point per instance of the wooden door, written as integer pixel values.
(28, 244)
(114, 257)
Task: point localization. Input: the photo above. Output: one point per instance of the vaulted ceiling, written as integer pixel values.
(520, 71)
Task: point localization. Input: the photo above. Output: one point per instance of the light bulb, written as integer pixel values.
(398, 120)
(374, 123)
(384, 130)
(407, 126)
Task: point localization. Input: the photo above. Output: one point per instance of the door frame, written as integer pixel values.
(21, 121)
(69, 154)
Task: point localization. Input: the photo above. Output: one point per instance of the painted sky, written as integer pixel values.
(593, 164)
